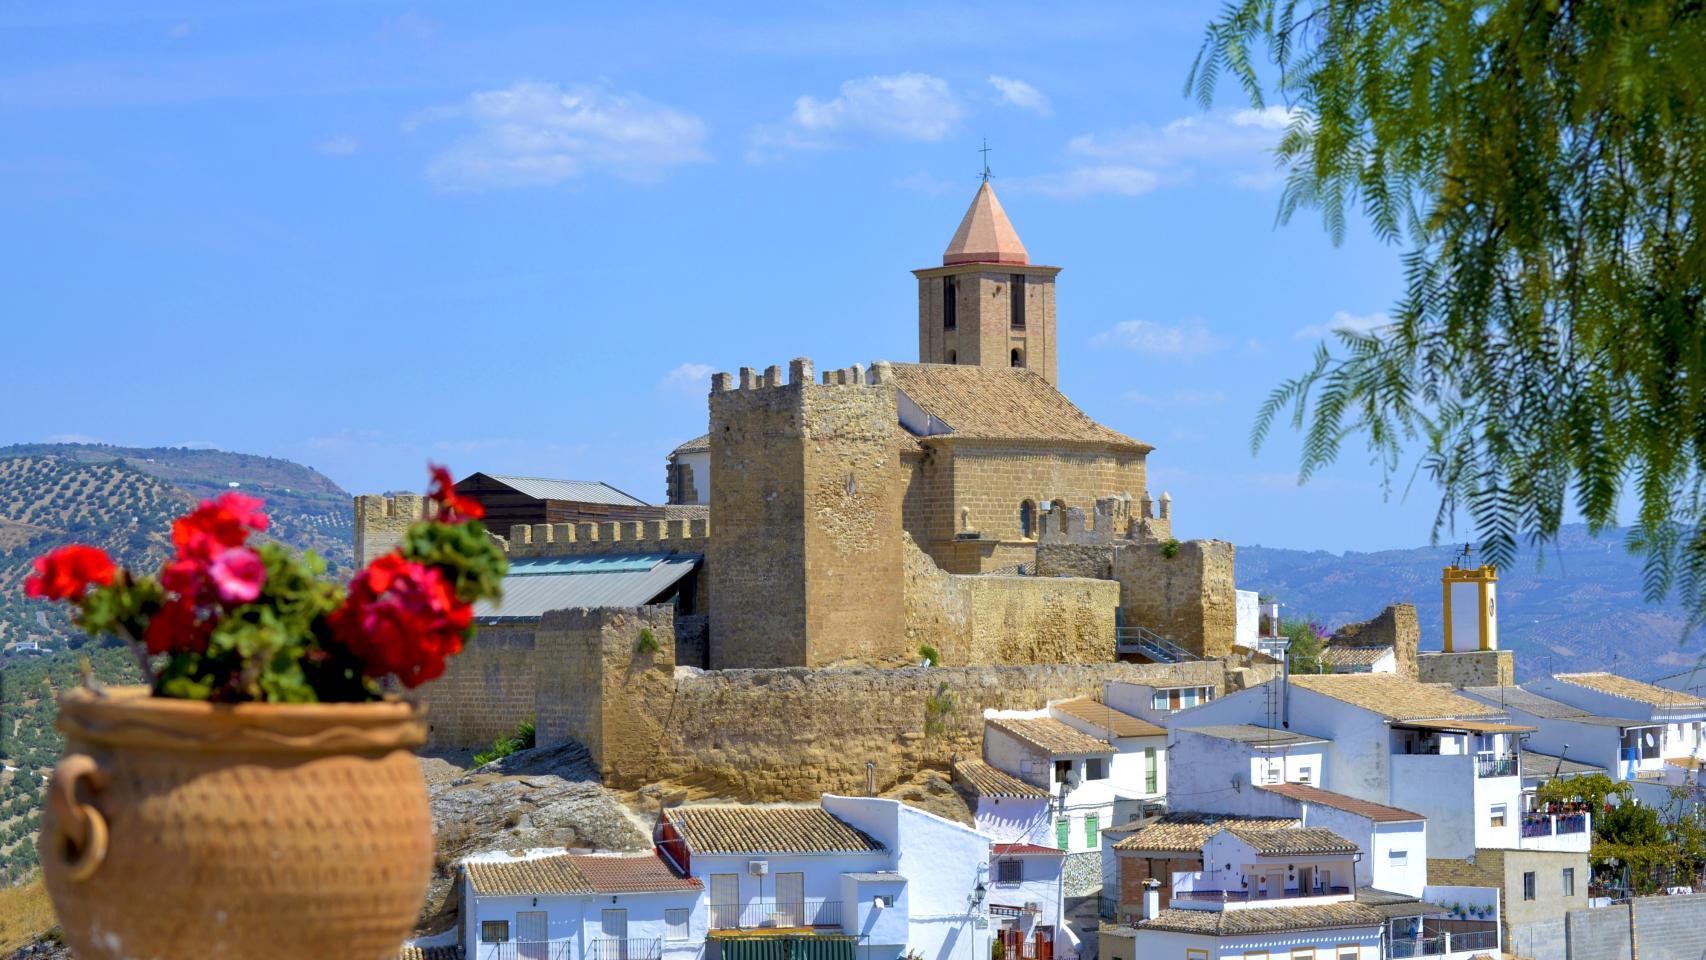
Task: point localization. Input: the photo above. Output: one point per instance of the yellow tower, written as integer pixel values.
(987, 304)
(1471, 606)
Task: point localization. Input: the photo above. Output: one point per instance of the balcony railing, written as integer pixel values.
(1248, 896)
(612, 949)
(757, 914)
(1547, 825)
(1490, 765)
(1441, 944)
(526, 950)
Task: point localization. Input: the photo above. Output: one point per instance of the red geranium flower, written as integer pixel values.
(452, 507)
(401, 618)
(177, 628)
(237, 575)
(67, 573)
(217, 524)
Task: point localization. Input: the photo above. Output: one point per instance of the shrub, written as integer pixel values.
(1169, 548)
(647, 644)
(931, 656)
(523, 738)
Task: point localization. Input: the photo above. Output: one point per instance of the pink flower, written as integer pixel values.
(237, 574)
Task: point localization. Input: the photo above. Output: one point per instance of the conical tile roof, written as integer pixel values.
(985, 234)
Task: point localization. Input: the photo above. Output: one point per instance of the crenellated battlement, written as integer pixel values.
(382, 519)
(629, 536)
(1116, 518)
(800, 372)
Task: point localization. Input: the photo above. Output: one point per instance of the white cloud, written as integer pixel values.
(1125, 181)
(1356, 323)
(539, 134)
(1178, 399)
(341, 145)
(688, 378)
(1020, 94)
(901, 106)
(1189, 339)
(1235, 148)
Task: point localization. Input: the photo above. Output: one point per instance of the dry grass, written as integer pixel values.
(25, 913)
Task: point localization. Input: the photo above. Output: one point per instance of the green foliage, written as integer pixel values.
(523, 738)
(1593, 789)
(938, 711)
(1307, 638)
(463, 552)
(647, 644)
(930, 655)
(1169, 548)
(1542, 165)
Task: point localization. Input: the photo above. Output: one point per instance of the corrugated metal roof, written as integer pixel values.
(601, 563)
(580, 491)
(532, 595)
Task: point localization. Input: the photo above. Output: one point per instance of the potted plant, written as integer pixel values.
(258, 797)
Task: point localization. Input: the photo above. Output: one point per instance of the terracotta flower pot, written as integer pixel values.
(183, 829)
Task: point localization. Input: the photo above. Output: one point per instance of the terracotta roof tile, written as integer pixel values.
(1186, 832)
(522, 878)
(742, 829)
(1001, 403)
(1350, 655)
(1393, 696)
(699, 444)
(1631, 689)
(1290, 841)
(985, 234)
(450, 952)
(1326, 916)
(1050, 735)
(646, 873)
(989, 781)
(1368, 810)
(1024, 849)
(1113, 722)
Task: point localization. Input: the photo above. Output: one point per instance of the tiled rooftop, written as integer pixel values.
(1631, 689)
(1252, 735)
(1347, 655)
(1326, 916)
(1004, 403)
(1289, 841)
(990, 781)
(699, 444)
(1186, 832)
(1024, 849)
(646, 873)
(576, 874)
(1535, 705)
(744, 829)
(1113, 723)
(1051, 736)
(1545, 764)
(1368, 810)
(1392, 696)
(1460, 873)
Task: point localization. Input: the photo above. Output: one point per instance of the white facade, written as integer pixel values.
(1216, 764)
(573, 926)
(1085, 800)
(1247, 616)
(700, 463)
(1032, 901)
(1016, 819)
(1345, 943)
(1155, 703)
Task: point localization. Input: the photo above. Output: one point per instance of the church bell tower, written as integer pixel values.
(987, 305)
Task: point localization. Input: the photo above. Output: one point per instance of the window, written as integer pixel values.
(1062, 834)
(1302, 953)
(1195, 953)
(1398, 858)
(1569, 881)
(675, 923)
(949, 311)
(1305, 774)
(953, 356)
(1497, 816)
(1062, 770)
(1027, 519)
(1018, 357)
(1010, 871)
(1092, 831)
(494, 931)
(1349, 951)
(1016, 296)
(1528, 885)
(1159, 701)
(1095, 768)
(1150, 774)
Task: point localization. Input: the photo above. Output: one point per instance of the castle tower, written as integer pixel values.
(987, 304)
(1471, 608)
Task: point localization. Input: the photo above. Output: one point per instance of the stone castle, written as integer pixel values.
(837, 522)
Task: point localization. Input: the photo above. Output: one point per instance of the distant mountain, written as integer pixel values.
(1579, 607)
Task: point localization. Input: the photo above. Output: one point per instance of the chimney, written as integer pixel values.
(1151, 898)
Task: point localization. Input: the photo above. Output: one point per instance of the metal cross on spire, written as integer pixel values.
(985, 152)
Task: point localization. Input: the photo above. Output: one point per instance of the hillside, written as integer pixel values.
(1578, 608)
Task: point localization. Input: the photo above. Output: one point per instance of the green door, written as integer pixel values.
(1063, 833)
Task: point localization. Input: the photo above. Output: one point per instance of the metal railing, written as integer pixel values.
(525, 950)
(1491, 765)
(757, 914)
(1441, 944)
(613, 949)
(1146, 642)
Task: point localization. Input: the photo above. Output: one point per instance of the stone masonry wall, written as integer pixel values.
(486, 690)
(992, 620)
(1189, 597)
(1470, 668)
(380, 522)
(1394, 627)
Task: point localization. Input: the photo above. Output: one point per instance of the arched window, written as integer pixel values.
(1027, 520)
(1018, 357)
(953, 356)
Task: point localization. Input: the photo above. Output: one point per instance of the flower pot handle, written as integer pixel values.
(81, 832)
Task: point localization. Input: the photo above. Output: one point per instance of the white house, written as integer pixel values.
(569, 907)
(855, 876)
(1680, 717)
(1024, 897)
(1242, 753)
(1155, 702)
(1357, 658)
(1395, 741)
(1005, 808)
(1139, 769)
(1074, 767)
(1394, 842)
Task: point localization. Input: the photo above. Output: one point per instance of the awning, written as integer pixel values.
(1470, 726)
(535, 587)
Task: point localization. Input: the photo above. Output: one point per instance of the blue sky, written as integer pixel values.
(519, 237)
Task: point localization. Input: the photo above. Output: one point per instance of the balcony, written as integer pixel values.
(1495, 765)
(526, 950)
(1444, 944)
(1555, 831)
(610, 949)
(781, 914)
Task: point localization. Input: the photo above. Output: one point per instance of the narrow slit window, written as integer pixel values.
(1018, 357)
(949, 311)
(1016, 297)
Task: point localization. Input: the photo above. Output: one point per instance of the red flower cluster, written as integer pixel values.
(67, 573)
(452, 506)
(214, 568)
(402, 618)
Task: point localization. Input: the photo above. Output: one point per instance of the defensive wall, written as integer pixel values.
(1645, 928)
(380, 522)
(781, 733)
(1395, 627)
(1467, 668)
